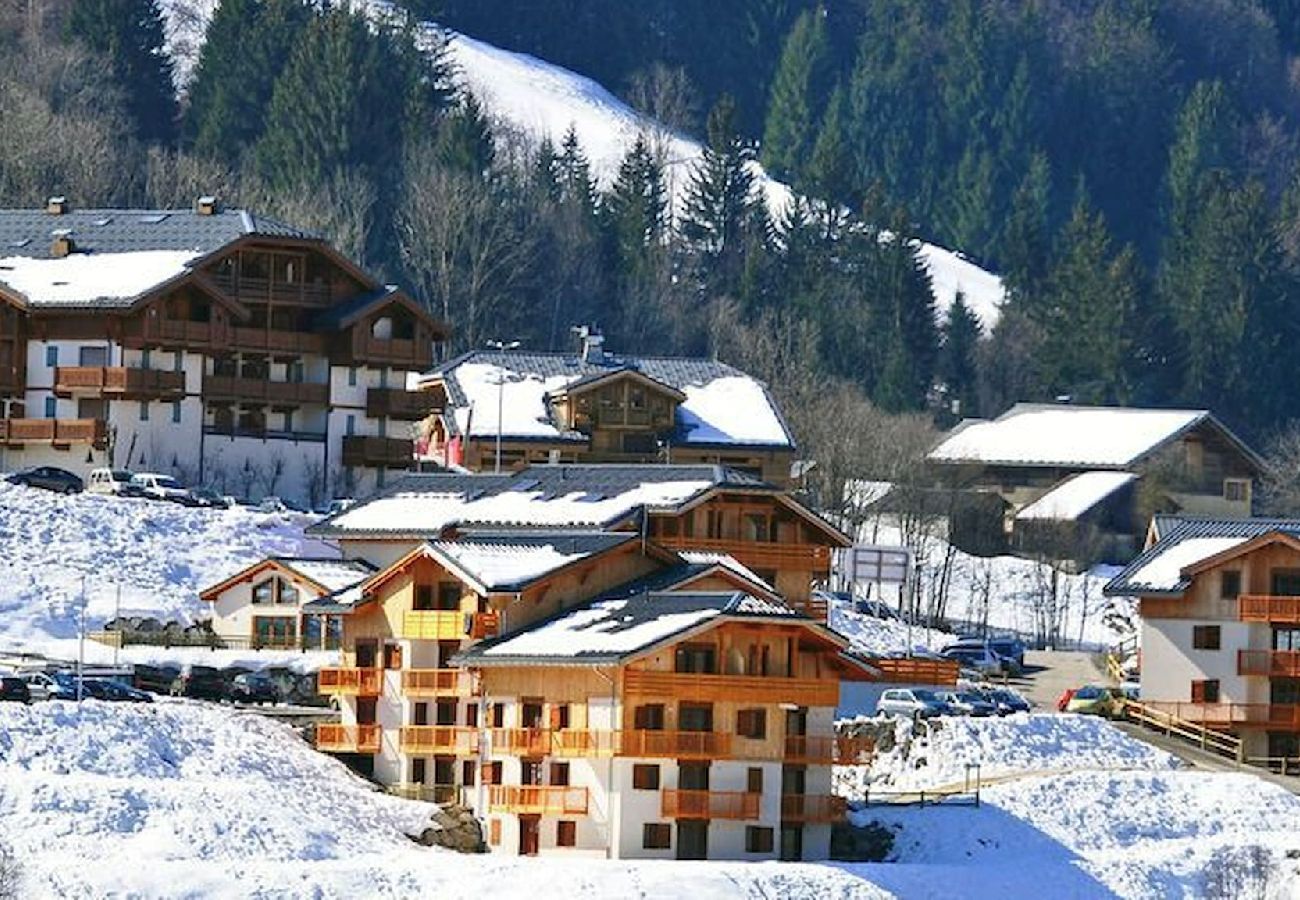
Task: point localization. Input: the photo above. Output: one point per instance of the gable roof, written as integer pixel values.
(610, 630)
(1185, 543)
(692, 567)
(328, 576)
(721, 406)
(1075, 496)
(1066, 436)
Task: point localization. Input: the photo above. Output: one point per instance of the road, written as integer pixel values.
(1049, 672)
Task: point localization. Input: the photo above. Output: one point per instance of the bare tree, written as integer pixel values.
(314, 474)
(666, 95)
(269, 473)
(1280, 482)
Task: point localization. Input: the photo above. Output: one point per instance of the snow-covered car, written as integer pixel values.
(1009, 652)
(1093, 700)
(272, 505)
(910, 703)
(208, 497)
(115, 482)
(967, 703)
(162, 487)
(254, 687)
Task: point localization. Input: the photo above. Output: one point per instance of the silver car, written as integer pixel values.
(911, 703)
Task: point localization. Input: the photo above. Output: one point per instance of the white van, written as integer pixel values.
(112, 481)
(162, 487)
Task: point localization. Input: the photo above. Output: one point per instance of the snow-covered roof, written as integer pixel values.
(722, 407)
(610, 630)
(1075, 496)
(1163, 572)
(542, 496)
(94, 279)
(724, 560)
(1094, 437)
(509, 561)
(331, 574)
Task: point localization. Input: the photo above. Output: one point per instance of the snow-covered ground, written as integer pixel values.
(160, 554)
(878, 637)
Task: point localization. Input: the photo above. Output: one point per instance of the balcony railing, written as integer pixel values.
(226, 388)
(351, 682)
(737, 688)
(676, 744)
(246, 287)
(404, 352)
(812, 808)
(437, 683)
(347, 738)
(264, 434)
(1268, 608)
(521, 741)
(538, 800)
(825, 750)
(757, 554)
(460, 740)
(117, 381)
(269, 340)
(430, 793)
(448, 625)
(158, 332)
(381, 452)
(577, 742)
(1232, 715)
(913, 670)
(399, 403)
(683, 804)
(1273, 663)
(54, 431)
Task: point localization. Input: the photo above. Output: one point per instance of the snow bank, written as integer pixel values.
(880, 637)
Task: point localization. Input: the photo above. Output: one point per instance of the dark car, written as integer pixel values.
(1008, 702)
(158, 679)
(200, 683)
(117, 692)
(254, 687)
(208, 497)
(51, 478)
(14, 689)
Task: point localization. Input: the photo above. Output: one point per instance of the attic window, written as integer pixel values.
(155, 219)
(107, 220)
(21, 242)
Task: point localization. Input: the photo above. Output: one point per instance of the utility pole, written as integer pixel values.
(81, 643)
(117, 620)
(502, 346)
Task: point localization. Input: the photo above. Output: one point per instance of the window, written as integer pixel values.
(278, 631)
(657, 836)
(144, 411)
(423, 597)
(1236, 490)
(467, 773)
(693, 776)
(421, 714)
(1205, 691)
(264, 592)
(1286, 638)
(352, 377)
(1205, 637)
(419, 771)
(176, 412)
(530, 772)
(560, 716)
(759, 839)
(445, 711)
(1229, 584)
(146, 357)
(287, 593)
(449, 595)
(51, 356)
(498, 715)
(560, 774)
(50, 408)
(494, 832)
(695, 717)
(700, 658)
(350, 425)
(530, 714)
(713, 523)
(645, 777)
(491, 772)
(566, 833)
(179, 363)
(754, 780)
(471, 715)
(649, 717)
(392, 656)
(752, 723)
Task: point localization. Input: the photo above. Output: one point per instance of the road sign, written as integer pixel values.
(876, 564)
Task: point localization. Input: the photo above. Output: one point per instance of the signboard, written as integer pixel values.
(876, 564)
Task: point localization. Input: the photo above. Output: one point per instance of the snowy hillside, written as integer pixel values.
(160, 553)
(874, 636)
(541, 100)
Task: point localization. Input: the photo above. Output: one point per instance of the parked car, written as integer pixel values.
(979, 658)
(200, 683)
(967, 703)
(162, 487)
(116, 482)
(254, 687)
(208, 497)
(272, 505)
(14, 690)
(116, 692)
(42, 686)
(1011, 649)
(1007, 702)
(337, 506)
(911, 703)
(158, 679)
(51, 478)
(1064, 700)
(1093, 700)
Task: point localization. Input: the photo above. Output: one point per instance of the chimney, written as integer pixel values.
(56, 206)
(206, 205)
(63, 243)
(593, 344)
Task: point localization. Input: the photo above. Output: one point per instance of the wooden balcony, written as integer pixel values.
(1283, 717)
(813, 558)
(737, 688)
(347, 738)
(351, 682)
(12, 380)
(250, 289)
(379, 452)
(812, 808)
(676, 744)
(580, 743)
(435, 625)
(825, 750)
(459, 740)
(399, 352)
(538, 800)
(678, 804)
(272, 341)
(117, 382)
(57, 432)
(430, 793)
(521, 741)
(1268, 608)
(153, 331)
(399, 403)
(1270, 663)
(916, 670)
(228, 389)
(437, 683)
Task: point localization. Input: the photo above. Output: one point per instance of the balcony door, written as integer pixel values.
(692, 839)
(1285, 582)
(693, 776)
(695, 717)
(791, 843)
(796, 722)
(92, 356)
(367, 653)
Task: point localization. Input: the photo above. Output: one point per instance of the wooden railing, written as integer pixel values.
(578, 742)
(757, 554)
(437, 625)
(521, 741)
(1228, 715)
(538, 800)
(399, 403)
(347, 738)
(154, 331)
(429, 793)
(273, 341)
(384, 452)
(1273, 663)
(259, 390)
(460, 740)
(118, 381)
(823, 750)
(246, 287)
(351, 682)
(915, 670)
(685, 804)
(54, 431)
(812, 808)
(393, 351)
(1158, 717)
(737, 688)
(1268, 608)
(676, 744)
(437, 682)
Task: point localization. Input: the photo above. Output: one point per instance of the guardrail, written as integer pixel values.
(208, 640)
(917, 670)
(1169, 723)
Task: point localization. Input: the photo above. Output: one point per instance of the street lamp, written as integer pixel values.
(502, 346)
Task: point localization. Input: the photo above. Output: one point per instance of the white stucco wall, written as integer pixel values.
(1170, 664)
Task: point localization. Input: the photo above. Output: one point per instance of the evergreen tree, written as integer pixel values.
(635, 210)
(573, 174)
(129, 34)
(797, 94)
(465, 144)
(970, 202)
(1202, 144)
(957, 361)
(829, 173)
(903, 300)
(1026, 242)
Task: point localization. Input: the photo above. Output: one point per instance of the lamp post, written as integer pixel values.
(502, 346)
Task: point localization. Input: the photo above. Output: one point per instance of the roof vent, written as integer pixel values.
(593, 344)
(62, 244)
(206, 206)
(56, 206)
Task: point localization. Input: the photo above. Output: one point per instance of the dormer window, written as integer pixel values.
(275, 591)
